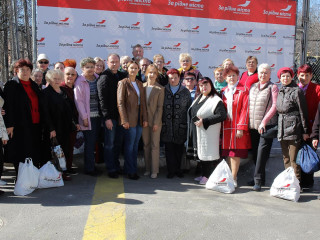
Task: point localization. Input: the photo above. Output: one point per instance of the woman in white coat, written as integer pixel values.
(205, 116)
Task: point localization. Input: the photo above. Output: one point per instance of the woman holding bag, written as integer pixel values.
(293, 119)
(262, 115)
(204, 120)
(151, 134)
(59, 109)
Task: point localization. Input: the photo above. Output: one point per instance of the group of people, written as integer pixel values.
(176, 108)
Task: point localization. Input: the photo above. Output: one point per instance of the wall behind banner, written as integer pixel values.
(209, 30)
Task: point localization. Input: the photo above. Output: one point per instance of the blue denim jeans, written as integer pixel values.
(112, 146)
(90, 138)
(131, 144)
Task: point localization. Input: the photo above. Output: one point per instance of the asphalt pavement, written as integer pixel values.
(104, 208)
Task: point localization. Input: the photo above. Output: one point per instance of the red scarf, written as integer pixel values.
(34, 101)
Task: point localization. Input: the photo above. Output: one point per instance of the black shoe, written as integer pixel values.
(66, 177)
(94, 173)
(251, 183)
(257, 187)
(71, 172)
(133, 176)
(179, 174)
(170, 175)
(113, 175)
(120, 171)
(1, 192)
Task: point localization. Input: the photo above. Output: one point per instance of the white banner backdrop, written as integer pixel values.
(77, 33)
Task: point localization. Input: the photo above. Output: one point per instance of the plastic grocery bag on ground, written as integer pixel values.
(221, 179)
(28, 178)
(286, 186)
(308, 159)
(50, 176)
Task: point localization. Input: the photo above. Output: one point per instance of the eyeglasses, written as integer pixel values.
(43, 62)
(189, 79)
(70, 74)
(159, 62)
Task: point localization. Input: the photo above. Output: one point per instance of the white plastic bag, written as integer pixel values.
(61, 157)
(50, 176)
(28, 178)
(286, 186)
(221, 179)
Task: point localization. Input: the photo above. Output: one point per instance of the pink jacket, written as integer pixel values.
(82, 100)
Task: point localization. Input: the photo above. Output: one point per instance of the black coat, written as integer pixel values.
(174, 116)
(107, 90)
(60, 119)
(26, 141)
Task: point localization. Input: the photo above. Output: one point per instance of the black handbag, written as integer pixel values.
(271, 131)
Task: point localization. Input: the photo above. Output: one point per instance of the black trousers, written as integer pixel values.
(174, 154)
(261, 148)
(26, 143)
(208, 167)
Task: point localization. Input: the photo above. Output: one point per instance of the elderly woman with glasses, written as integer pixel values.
(43, 65)
(185, 61)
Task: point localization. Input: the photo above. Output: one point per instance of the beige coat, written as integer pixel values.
(155, 104)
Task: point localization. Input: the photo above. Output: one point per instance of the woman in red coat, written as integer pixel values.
(235, 138)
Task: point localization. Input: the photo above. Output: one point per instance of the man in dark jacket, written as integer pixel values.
(177, 101)
(107, 90)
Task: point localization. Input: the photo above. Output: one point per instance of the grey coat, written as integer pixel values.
(293, 113)
(174, 117)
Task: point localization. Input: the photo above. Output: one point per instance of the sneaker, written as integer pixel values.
(66, 177)
(198, 179)
(203, 181)
(235, 183)
(154, 175)
(147, 173)
(2, 183)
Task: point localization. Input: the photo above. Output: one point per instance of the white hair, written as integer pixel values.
(264, 66)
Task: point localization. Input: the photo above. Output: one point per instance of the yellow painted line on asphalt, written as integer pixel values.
(107, 219)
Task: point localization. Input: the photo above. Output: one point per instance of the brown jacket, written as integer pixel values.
(127, 99)
(155, 104)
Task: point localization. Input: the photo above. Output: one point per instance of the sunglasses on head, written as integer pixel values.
(43, 62)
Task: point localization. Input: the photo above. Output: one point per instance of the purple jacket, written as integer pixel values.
(82, 100)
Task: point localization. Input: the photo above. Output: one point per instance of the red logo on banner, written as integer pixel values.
(287, 8)
(177, 45)
(223, 30)
(246, 4)
(274, 33)
(167, 63)
(249, 31)
(115, 42)
(148, 44)
(272, 65)
(168, 26)
(79, 41)
(41, 39)
(280, 50)
(195, 28)
(102, 22)
(136, 24)
(258, 49)
(206, 46)
(234, 47)
(64, 20)
(195, 64)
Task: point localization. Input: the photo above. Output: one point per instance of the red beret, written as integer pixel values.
(283, 70)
